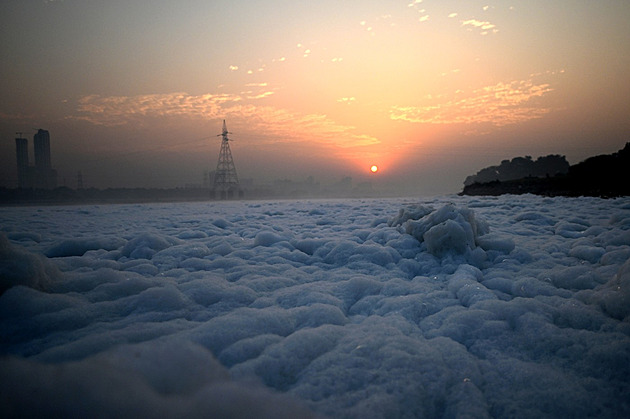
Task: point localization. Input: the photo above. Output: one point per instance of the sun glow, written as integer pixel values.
(374, 169)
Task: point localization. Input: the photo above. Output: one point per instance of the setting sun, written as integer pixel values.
(374, 169)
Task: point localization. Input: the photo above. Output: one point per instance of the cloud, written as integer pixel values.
(261, 95)
(347, 100)
(500, 104)
(454, 71)
(281, 125)
(17, 116)
(278, 125)
(478, 24)
(121, 110)
(379, 22)
(366, 26)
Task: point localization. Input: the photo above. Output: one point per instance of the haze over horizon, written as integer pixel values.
(133, 93)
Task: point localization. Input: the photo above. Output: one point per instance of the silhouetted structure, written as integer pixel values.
(42, 175)
(225, 177)
(41, 142)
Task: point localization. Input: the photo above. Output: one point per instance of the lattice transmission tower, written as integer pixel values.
(225, 177)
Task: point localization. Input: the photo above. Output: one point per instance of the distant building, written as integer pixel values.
(41, 142)
(42, 175)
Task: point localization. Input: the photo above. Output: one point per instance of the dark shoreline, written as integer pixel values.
(555, 186)
(604, 176)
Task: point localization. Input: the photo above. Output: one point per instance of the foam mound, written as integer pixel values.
(134, 381)
(450, 231)
(20, 267)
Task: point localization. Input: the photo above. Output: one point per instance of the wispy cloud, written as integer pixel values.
(275, 125)
(500, 104)
(17, 116)
(365, 25)
(261, 95)
(347, 100)
(121, 110)
(484, 26)
(454, 71)
(380, 22)
(281, 125)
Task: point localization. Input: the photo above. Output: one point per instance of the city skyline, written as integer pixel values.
(430, 92)
(41, 174)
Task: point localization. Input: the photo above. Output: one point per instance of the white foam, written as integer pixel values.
(506, 306)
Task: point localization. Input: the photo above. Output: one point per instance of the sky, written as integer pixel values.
(133, 93)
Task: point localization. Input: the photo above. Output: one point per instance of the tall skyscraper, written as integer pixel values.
(45, 176)
(41, 142)
(42, 175)
(21, 152)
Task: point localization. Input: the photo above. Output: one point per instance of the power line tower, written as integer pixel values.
(225, 178)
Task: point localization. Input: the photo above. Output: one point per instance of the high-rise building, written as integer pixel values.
(42, 175)
(45, 176)
(41, 142)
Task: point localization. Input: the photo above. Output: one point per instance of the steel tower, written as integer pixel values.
(225, 178)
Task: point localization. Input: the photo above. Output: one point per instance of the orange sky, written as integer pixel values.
(134, 92)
